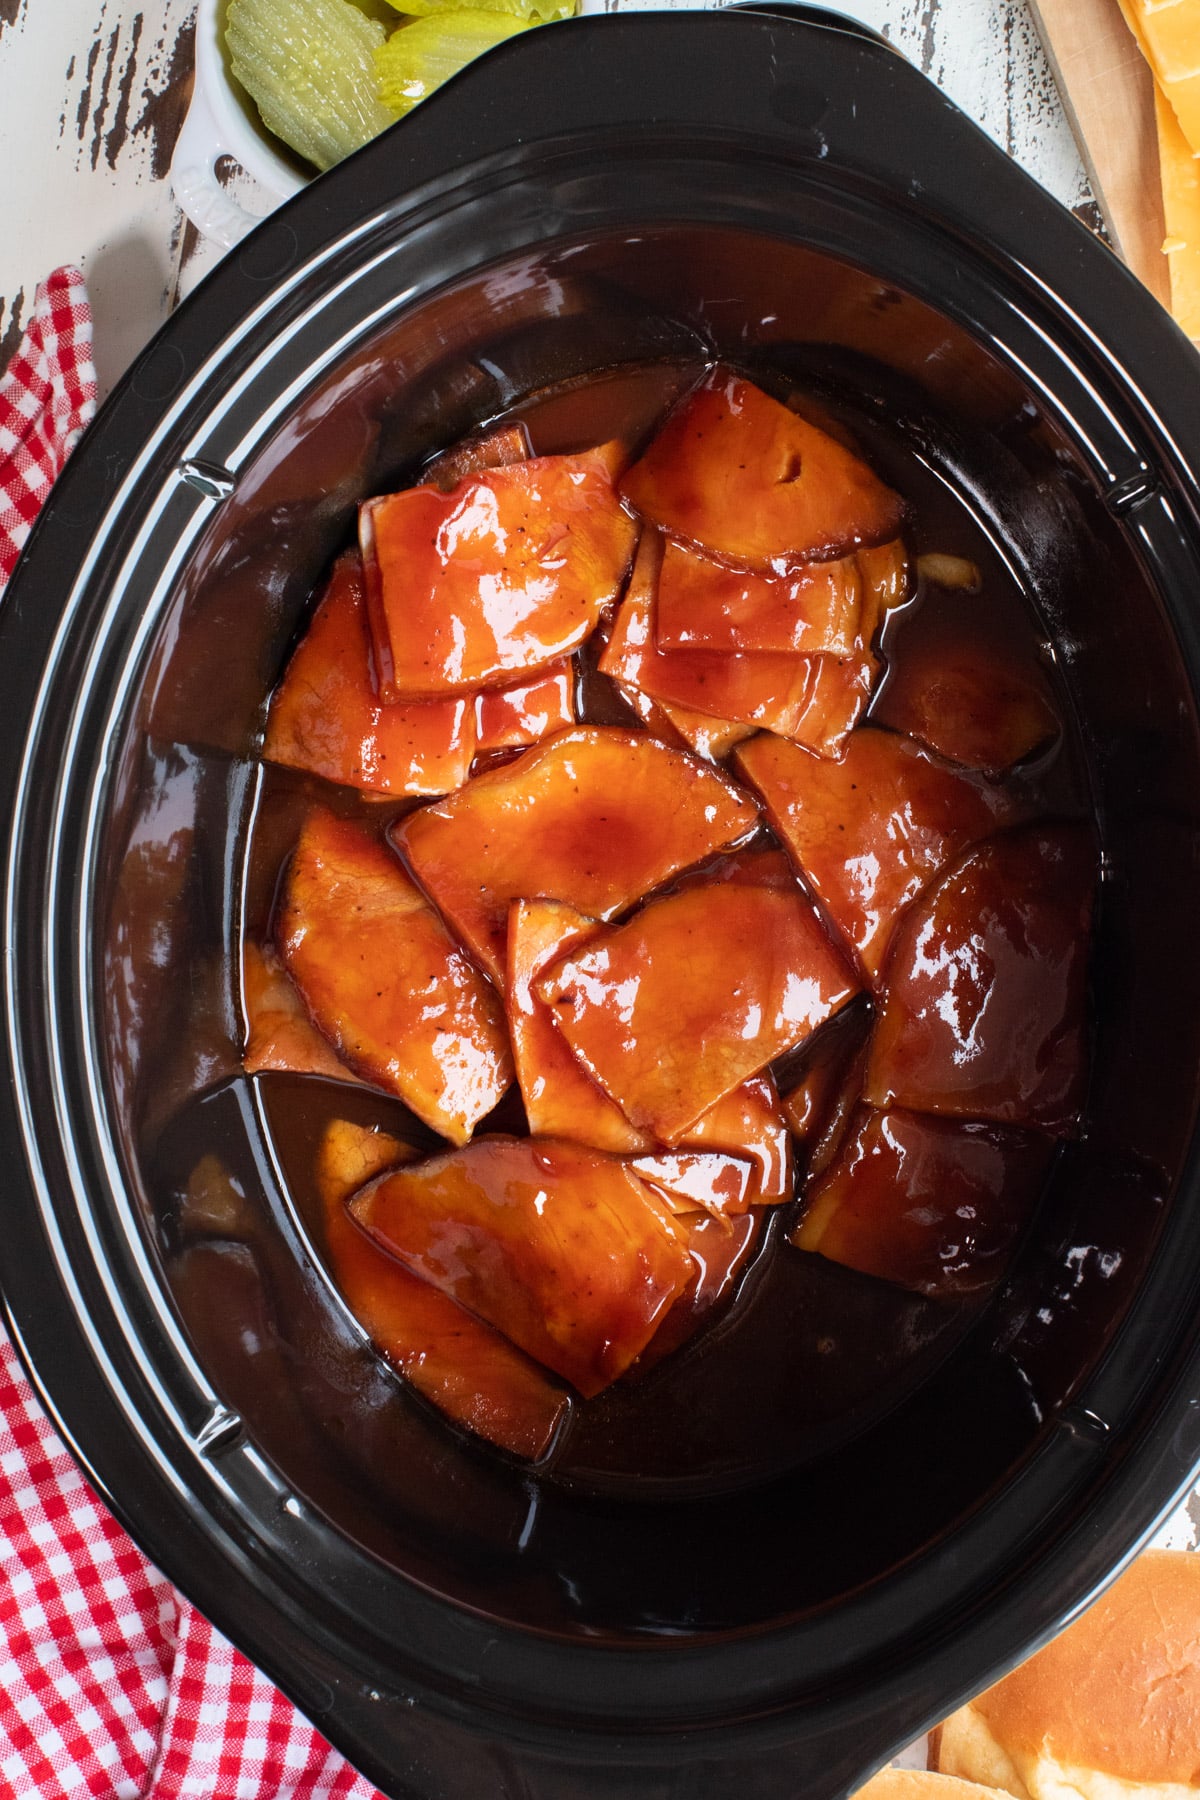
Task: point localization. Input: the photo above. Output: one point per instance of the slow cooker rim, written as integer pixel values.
(604, 25)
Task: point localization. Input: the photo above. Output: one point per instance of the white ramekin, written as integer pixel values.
(221, 122)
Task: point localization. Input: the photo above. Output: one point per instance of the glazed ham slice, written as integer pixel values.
(471, 1372)
(754, 484)
(561, 1248)
(502, 576)
(594, 817)
(814, 699)
(385, 982)
(697, 1180)
(977, 704)
(869, 832)
(702, 605)
(710, 738)
(511, 718)
(749, 1123)
(496, 449)
(984, 1012)
(675, 1009)
(561, 1099)
(327, 718)
(929, 1204)
(280, 1036)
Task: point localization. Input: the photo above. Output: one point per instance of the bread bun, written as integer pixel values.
(1110, 1710)
(918, 1784)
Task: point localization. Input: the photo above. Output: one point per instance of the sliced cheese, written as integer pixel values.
(1172, 32)
(1168, 34)
(1134, 18)
(1181, 210)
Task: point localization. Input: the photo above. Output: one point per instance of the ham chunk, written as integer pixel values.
(506, 574)
(697, 1180)
(510, 718)
(384, 981)
(814, 699)
(750, 1124)
(818, 1106)
(721, 1245)
(326, 717)
(702, 605)
(495, 449)
(700, 990)
(755, 485)
(977, 704)
(984, 1012)
(561, 1099)
(280, 1036)
(710, 738)
(884, 574)
(561, 1248)
(463, 1366)
(594, 817)
(867, 833)
(929, 1204)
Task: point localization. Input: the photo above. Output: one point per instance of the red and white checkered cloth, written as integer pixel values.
(47, 396)
(112, 1686)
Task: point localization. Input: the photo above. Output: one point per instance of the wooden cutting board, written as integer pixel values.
(1108, 93)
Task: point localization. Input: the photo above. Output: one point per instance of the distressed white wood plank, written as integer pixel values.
(987, 56)
(91, 95)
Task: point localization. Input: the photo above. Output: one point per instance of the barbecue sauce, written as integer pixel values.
(777, 1357)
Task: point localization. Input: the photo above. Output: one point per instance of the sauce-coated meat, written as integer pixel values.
(814, 699)
(562, 1248)
(704, 789)
(504, 575)
(462, 1365)
(984, 1014)
(703, 605)
(930, 1204)
(867, 833)
(386, 983)
(750, 481)
(595, 817)
(674, 1010)
(326, 716)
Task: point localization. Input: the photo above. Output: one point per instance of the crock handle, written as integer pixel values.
(796, 1772)
(412, 1754)
(811, 15)
(214, 212)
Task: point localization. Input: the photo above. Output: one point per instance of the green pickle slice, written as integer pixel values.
(308, 66)
(419, 57)
(538, 12)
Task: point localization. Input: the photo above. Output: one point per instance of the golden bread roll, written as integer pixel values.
(919, 1784)
(1110, 1710)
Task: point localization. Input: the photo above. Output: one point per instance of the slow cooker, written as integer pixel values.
(748, 185)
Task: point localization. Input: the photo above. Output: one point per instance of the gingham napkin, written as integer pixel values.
(112, 1686)
(47, 397)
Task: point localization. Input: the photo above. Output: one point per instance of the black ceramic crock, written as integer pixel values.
(776, 188)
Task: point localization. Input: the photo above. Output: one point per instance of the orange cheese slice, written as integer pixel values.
(1181, 209)
(1169, 34)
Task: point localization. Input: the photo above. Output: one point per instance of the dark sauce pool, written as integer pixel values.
(796, 1357)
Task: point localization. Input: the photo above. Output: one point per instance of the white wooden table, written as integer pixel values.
(92, 93)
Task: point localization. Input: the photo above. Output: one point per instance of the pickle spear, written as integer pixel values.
(538, 12)
(307, 65)
(419, 57)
